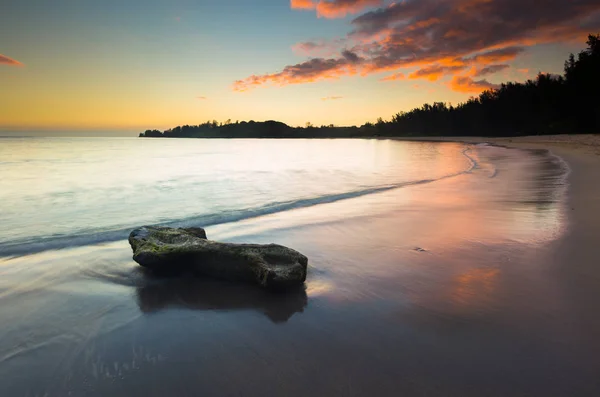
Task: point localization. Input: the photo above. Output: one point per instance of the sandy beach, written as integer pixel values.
(249, 198)
(577, 253)
(477, 277)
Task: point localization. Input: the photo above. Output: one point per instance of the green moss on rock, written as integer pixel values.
(169, 250)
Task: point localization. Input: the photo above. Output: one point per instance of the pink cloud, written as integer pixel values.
(435, 72)
(442, 38)
(4, 60)
(319, 48)
(468, 85)
(334, 8)
(491, 69)
(395, 76)
(312, 70)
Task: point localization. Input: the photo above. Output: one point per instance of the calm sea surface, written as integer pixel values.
(59, 192)
(432, 270)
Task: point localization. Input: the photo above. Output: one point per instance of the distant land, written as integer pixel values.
(550, 104)
(253, 129)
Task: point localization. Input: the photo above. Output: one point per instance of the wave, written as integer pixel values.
(86, 237)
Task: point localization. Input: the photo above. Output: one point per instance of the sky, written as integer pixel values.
(131, 65)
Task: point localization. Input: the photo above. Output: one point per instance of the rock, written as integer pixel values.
(168, 250)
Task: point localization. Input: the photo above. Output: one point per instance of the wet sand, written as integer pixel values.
(484, 284)
(578, 253)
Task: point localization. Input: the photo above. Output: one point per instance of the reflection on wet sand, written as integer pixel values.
(473, 284)
(201, 294)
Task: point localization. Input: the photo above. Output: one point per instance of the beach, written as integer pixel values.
(467, 269)
(578, 252)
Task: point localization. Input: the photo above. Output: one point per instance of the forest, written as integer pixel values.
(550, 104)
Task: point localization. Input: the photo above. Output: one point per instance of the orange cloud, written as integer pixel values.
(500, 55)
(395, 76)
(435, 72)
(468, 85)
(331, 98)
(4, 60)
(424, 24)
(341, 8)
(302, 4)
(310, 71)
(202, 98)
(334, 8)
(491, 69)
(439, 37)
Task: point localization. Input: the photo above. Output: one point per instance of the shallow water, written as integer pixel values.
(433, 271)
(60, 192)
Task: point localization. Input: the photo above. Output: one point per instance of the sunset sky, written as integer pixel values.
(129, 65)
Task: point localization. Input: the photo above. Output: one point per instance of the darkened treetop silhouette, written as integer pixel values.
(550, 104)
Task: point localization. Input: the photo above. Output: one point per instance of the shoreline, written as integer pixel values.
(582, 155)
(576, 252)
(461, 287)
(586, 142)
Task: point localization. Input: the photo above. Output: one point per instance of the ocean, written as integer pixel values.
(431, 270)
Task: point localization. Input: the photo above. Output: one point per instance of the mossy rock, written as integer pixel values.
(168, 250)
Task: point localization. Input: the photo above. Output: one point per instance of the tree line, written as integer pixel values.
(549, 104)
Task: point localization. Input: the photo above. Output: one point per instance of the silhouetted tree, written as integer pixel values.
(549, 104)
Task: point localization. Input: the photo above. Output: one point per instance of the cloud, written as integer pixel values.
(331, 98)
(4, 60)
(468, 85)
(500, 55)
(490, 70)
(414, 33)
(438, 37)
(202, 98)
(395, 76)
(334, 8)
(383, 18)
(480, 22)
(351, 57)
(312, 70)
(435, 72)
(302, 4)
(454, 66)
(318, 48)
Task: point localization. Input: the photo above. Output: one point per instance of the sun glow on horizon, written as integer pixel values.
(91, 68)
